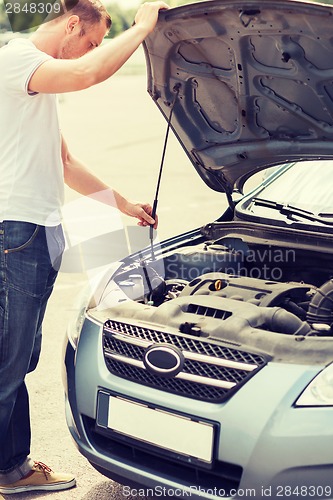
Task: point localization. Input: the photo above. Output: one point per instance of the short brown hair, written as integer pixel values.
(89, 11)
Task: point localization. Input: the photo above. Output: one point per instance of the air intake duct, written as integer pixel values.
(321, 306)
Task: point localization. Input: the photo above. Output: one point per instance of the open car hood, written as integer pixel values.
(252, 84)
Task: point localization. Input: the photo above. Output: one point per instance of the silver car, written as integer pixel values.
(203, 367)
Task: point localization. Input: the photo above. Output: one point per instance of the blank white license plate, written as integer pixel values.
(160, 428)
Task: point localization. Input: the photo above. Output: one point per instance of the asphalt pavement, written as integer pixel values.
(117, 130)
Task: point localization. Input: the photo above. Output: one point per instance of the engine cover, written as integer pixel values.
(256, 291)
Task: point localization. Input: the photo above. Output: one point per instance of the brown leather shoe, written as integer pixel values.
(40, 478)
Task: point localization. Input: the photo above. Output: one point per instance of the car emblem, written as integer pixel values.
(164, 360)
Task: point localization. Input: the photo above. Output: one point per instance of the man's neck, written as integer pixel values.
(46, 39)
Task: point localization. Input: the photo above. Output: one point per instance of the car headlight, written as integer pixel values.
(74, 329)
(320, 391)
(75, 325)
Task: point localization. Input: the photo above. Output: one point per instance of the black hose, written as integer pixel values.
(282, 321)
(321, 306)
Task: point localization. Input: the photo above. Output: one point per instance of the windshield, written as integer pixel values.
(306, 185)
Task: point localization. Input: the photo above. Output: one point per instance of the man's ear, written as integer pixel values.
(72, 23)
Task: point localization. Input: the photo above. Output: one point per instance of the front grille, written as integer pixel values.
(211, 371)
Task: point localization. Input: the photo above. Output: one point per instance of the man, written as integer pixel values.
(34, 163)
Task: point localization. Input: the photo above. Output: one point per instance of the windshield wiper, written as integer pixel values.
(290, 212)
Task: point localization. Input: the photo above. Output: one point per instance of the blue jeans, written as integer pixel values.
(30, 257)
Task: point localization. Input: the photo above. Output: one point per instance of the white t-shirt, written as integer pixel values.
(31, 169)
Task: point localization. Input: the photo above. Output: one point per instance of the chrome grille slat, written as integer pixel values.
(220, 362)
(211, 370)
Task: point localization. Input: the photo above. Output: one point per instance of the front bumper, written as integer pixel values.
(264, 445)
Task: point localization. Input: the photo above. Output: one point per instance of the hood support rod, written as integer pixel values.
(176, 89)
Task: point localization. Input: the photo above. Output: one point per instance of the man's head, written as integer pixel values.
(90, 12)
(87, 23)
(79, 30)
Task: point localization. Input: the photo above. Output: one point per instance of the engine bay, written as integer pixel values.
(229, 288)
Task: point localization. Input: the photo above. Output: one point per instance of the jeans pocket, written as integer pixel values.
(27, 261)
(20, 236)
